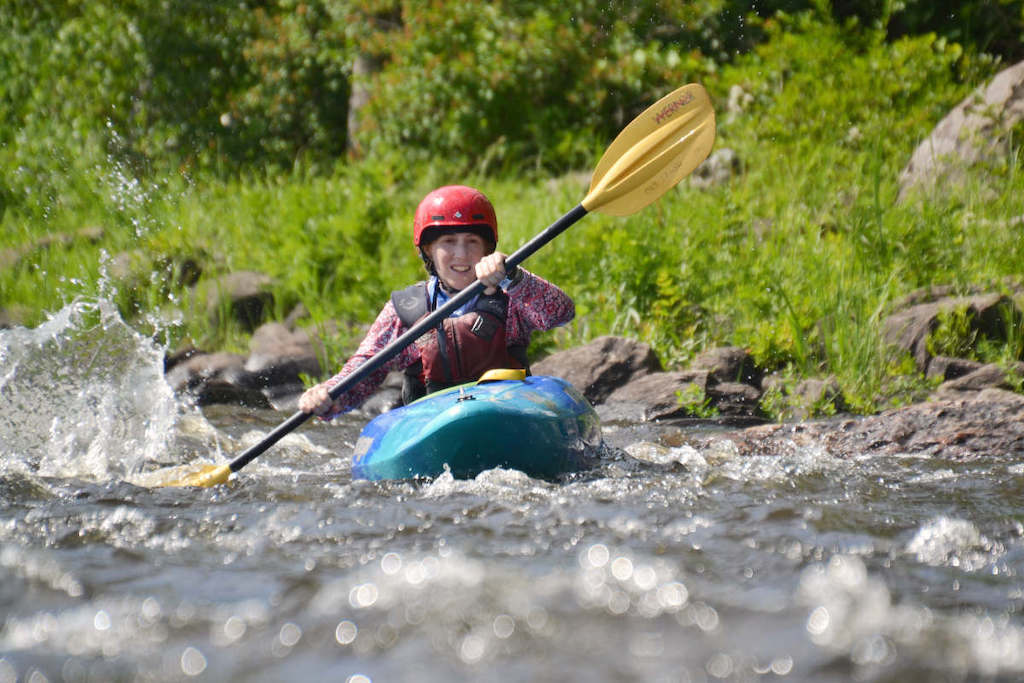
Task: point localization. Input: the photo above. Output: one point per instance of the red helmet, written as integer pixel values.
(455, 206)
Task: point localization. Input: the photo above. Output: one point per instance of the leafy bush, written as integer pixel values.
(795, 258)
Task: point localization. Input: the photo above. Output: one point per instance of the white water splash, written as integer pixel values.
(853, 612)
(954, 543)
(83, 396)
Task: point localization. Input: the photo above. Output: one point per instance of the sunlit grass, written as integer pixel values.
(799, 257)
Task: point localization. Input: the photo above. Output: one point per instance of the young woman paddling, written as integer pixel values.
(456, 231)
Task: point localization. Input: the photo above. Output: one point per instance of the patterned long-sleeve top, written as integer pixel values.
(534, 304)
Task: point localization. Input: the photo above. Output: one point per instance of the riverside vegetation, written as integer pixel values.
(218, 140)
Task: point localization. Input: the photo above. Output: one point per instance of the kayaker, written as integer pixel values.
(455, 230)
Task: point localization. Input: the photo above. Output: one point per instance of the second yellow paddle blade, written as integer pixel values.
(653, 153)
(206, 476)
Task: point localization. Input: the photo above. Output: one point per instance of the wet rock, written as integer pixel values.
(216, 378)
(977, 129)
(600, 367)
(218, 391)
(196, 366)
(245, 296)
(729, 364)
(387, 397)
(963, 428)
(279, 355)
(172, 360)
(657, 394)
(909, 329)
(735, 399)
(981, 423)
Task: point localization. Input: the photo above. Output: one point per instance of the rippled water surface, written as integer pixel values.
(663, 564)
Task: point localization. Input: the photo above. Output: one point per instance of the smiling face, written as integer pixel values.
(455, 255)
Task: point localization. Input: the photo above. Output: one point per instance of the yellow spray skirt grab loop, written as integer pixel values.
(500, 374)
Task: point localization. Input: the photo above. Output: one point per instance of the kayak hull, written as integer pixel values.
(539, 425)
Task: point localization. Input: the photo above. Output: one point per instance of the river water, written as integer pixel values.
(665, 563)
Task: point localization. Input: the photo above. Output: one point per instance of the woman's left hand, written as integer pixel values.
(490, 270)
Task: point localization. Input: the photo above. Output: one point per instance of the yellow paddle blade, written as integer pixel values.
(653, 153)
(206, 476)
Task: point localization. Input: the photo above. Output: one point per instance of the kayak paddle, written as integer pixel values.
(651, 155)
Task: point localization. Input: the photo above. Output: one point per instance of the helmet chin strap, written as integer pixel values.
(427, 263)
(432, 271)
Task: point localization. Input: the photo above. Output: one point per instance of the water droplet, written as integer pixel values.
(346, 632)
(597, 555)
(472, 649)
(193, 662)
(782, 666)
(290, 634)
(391, 564)
(504, 626)
(101, 622)
(819, 621)
(234, 628)
(622, 568)
(8, 674)
(720, 665)
(364, 595)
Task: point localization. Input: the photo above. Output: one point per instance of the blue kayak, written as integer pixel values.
(539, 425)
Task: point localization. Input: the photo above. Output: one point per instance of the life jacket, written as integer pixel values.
(460, 348)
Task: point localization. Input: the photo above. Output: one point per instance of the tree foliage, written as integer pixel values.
(263, 84)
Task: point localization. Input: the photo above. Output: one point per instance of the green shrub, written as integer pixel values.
(797, 257)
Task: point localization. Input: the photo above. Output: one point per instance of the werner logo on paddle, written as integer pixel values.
(672, 107)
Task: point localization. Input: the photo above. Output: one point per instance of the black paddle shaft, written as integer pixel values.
(410, 335)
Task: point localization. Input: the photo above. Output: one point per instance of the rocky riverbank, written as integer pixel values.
(938, 328)
(972, 407)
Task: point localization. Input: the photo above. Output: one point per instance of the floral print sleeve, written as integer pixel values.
(385, 329)
(536, 305)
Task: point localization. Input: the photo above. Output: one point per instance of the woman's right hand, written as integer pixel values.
(315, 400)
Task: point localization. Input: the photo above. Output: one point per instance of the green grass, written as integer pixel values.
(798, 258)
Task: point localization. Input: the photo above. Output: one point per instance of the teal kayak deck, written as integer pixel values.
(539, 425)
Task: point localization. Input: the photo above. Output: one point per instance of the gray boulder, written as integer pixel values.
(244, 296)
(600, 367)
(729, 364)
(657, 393)
(215, 378)
(977, 129)
(279, 355)
(909, 329)
(964, 427)
(988, 376)
(717, 169)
